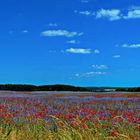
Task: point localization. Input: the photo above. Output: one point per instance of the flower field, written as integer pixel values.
(78, 116)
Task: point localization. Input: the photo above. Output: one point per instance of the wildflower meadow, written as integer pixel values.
(70, 116)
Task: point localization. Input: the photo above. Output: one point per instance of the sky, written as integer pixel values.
(76, 42)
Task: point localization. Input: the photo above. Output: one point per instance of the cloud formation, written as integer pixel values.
(79, 51)
(96, 51)
(65, 33)
(100, 67)
(52, 25)
(87, 13)
(90, 74)
(113, 14)
(133, 13)
(72, 42)
(116, 56)
(82, 51)
(133, 46)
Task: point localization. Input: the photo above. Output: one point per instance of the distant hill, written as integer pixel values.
(20, 87)
(60, 87)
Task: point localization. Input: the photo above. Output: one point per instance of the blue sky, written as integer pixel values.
(77, 42)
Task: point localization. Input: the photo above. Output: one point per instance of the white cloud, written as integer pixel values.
(133, 12)
(96, 51)
(93, 73)
(53, 33)
(90, 74)
(133, 46)
(87, 13)
(100, 67)
(52, 25)
(111, 14)
(82, 51)
(79, 51)
(116, 56)
(72, 42)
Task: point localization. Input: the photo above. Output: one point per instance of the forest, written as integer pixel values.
(61, 87)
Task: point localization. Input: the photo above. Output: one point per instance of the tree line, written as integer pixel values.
(136, 89)
(20, 87)
(60, 87)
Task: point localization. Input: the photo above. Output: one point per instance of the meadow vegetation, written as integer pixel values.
(71, 117)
